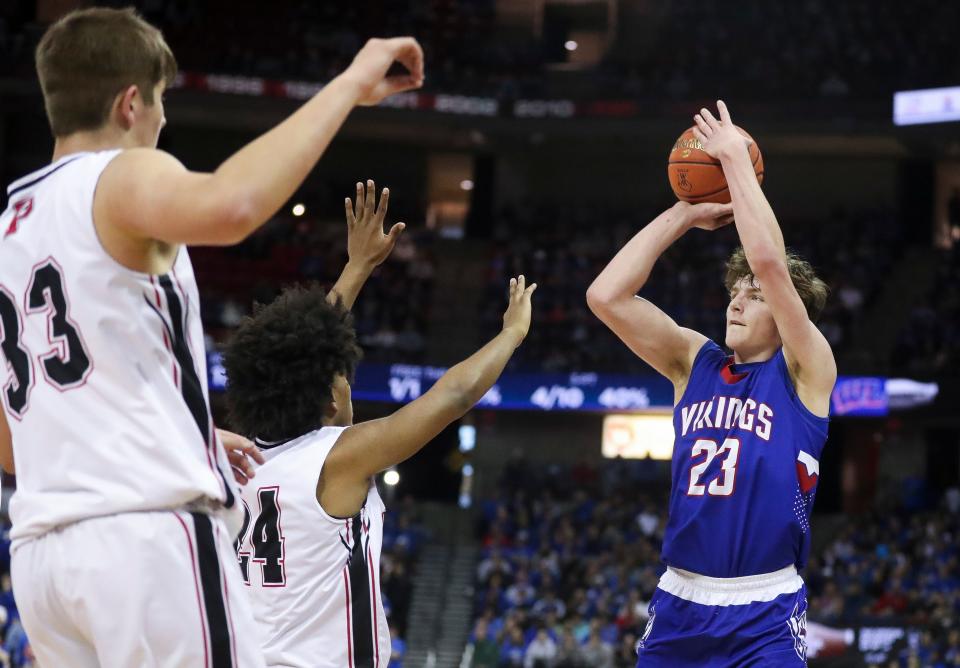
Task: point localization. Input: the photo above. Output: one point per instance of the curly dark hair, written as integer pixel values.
(813, 291)
(282, 361)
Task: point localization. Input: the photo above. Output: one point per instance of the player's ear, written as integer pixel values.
(330, 410)
(123, 106)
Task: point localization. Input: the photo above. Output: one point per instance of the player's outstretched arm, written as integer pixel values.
(371, 447)
(808, 354)
(648, 331)
(6, 445)
(146, 194)
(367, 245)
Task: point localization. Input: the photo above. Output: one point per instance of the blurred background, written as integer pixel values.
(528, 534)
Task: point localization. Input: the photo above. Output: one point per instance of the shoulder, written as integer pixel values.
(141, 164)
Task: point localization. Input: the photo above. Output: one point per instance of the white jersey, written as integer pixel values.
(103, 368)
(314, 579)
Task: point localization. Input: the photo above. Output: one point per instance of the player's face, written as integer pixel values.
(751, 328)
(151, 120)
(343, 398)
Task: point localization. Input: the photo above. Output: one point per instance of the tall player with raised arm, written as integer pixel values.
(749, 428)
(124, 513)
(310, 552)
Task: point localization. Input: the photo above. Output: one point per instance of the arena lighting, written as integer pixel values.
(466, 184)
(570, 45)
(391, 477)
(929, 105)
(644, 436)
(298, 210)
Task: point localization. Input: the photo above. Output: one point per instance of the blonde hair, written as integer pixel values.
(813, 291)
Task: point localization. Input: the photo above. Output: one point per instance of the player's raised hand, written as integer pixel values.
(367, 245)
(706, 215)
(369, 68)
(517, 315)
(720, 137)
(240, 452)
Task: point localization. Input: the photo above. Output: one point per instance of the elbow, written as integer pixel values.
(597, 300)
(237, 220)
(768, 265)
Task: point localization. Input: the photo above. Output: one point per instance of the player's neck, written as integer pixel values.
(748, 357)
(83, 142)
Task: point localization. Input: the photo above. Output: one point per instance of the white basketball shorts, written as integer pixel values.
(136, 590)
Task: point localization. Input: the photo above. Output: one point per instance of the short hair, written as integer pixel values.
(813, 291)
(281, 363)
(89, 56)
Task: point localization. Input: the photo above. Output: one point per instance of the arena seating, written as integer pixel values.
(571, 559)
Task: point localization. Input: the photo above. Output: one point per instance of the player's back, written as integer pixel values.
(745, 468)
(313, 579)
(106, 396)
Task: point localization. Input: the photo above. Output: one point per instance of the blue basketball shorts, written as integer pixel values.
(701, 622)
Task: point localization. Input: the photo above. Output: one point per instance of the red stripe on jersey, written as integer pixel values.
(196, 586)
(729, 377)
(373, 608)
(346, 589)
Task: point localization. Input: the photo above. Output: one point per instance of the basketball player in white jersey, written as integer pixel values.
(125, 511)
(310, 549)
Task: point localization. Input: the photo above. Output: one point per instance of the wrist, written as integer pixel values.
(362, 267)
(349, 85)
(515, 333)
(731, 155)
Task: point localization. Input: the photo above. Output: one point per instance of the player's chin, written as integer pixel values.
(732, 338)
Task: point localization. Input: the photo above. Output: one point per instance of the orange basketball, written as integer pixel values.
(695, 176)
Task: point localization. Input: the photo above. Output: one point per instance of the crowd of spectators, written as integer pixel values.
(929, 342)
(564, 251)
(391, 315)
(813, 48)
(571, 559)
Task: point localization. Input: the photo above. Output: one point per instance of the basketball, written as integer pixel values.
(696, 176)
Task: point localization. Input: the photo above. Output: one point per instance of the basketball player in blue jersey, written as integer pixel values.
(749, 429)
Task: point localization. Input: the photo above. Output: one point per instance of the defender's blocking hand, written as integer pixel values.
(518, 313)
(367, 245)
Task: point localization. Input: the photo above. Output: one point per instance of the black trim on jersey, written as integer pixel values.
(266, 445)
(361, 615)
(190, 385)
(221, 653)
(33, 182)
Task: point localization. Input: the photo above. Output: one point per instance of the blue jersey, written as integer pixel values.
(746, 460)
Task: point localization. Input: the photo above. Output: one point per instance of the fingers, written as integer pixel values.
(530, 290)
(708, 117)
(698, 133)
(370, 199)
(359, 200)
(407, 51)
(724, 112)
(701, 125)
(396, 231)
(521, 284)
(348, 205)
(383, 204)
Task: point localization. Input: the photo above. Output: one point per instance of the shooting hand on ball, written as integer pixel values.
(719, 138)
(706, 215)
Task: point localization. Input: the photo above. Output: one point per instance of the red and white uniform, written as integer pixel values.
(103, 377)
(313, 579)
